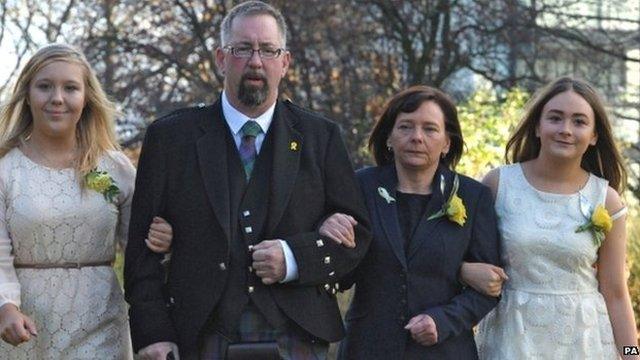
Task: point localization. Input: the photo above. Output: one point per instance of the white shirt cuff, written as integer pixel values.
(290, 263)
(7, 301)
(10, 293)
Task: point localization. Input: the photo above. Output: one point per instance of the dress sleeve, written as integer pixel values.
(124, 175)
(9, 285)
(618, 214)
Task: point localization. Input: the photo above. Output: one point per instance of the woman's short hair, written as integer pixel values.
(407, 101)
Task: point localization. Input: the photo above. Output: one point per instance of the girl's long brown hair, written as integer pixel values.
(603, 159)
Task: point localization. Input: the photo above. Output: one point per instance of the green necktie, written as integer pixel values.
(247, 149)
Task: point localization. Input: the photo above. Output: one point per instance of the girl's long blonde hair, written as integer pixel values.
(95, 133)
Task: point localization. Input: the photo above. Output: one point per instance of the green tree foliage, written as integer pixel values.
(487, 120)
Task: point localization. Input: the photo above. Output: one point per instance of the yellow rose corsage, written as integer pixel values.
(453, 208)
(102, 182)
(599, 224)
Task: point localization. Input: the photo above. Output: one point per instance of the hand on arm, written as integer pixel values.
(15, 327)
(160, 236)
(340, 228)
(144, 276)
(321, 260)
(484, 278)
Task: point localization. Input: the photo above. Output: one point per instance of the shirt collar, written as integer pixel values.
(236, 119)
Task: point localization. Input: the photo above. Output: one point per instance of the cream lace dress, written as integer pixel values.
(46, 219)
(550, 306)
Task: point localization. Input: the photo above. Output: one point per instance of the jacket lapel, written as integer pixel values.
(287, 144)
(426, 228)
(388, 212)
(212, 158)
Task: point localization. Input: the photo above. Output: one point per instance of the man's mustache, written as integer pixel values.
(254, 76)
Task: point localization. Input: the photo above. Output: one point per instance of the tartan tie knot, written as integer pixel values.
(250, 128)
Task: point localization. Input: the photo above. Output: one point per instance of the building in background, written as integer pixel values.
(586, 39)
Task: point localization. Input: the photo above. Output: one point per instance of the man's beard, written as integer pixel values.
(250, 95)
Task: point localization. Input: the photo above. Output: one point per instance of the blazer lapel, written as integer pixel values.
(212, 158)
(426, 228)
(388, 212)
(287, 144)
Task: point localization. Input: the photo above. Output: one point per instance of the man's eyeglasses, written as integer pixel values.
(247, 52)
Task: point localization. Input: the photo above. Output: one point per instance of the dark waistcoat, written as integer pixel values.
(249, 203)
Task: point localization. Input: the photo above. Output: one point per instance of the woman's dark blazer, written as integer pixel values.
(393, 286)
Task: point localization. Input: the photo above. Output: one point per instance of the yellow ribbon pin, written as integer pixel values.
(293, 146)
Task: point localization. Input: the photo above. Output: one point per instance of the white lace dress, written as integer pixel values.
(550, 306)
(45, 219)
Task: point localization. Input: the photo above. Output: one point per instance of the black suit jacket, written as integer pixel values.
(393, 286)
(182, 176)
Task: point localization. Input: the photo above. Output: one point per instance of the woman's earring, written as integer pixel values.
(389, 149)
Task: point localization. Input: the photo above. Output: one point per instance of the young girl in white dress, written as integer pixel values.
(562, 226)
(65, 194)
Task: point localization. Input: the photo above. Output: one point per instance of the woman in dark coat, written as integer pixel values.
(426, 220)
